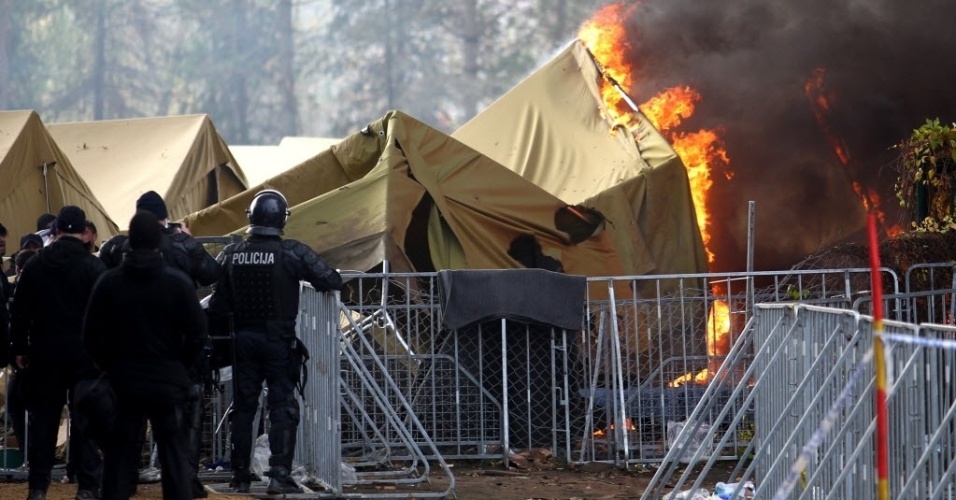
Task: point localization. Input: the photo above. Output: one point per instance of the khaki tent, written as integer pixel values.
(423, 201)
(551, 129)
(38, 178)
(182, 158)
(263, 162)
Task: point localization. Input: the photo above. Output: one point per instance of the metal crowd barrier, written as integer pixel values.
(641, 372)
(806, 374)
(607, 392)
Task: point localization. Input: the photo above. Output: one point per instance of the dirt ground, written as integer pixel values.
(473, 482)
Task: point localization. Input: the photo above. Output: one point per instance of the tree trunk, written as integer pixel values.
(99, 61)
(238, 81)
(289, 122)
(6, 51)
(471, 45)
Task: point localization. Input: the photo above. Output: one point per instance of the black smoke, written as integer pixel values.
(889, 66)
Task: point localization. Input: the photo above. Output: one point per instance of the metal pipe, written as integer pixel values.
(751, 231)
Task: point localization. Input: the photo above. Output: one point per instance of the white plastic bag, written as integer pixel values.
(260, 456)
(725, 491)
(700, 440)
(698, 494)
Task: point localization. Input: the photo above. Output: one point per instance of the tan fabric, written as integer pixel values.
(551, 130)
(25, 193)
(333, 168)
(182, 158)
(426, 202)
(263, 162)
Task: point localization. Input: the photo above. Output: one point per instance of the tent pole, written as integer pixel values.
(751, 228)
(46, 186)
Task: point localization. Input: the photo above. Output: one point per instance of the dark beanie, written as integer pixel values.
(71, 219)
(28, 238)
(152, 202)
(144, 231)
(43, 222)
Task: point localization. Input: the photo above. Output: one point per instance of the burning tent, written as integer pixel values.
(563, 129)
(182, 158)
(553, 130)
(403, 192)
(38, 177)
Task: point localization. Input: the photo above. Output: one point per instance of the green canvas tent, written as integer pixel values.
(552, 130)
(403, 192)
(182, 158)
(38, 178)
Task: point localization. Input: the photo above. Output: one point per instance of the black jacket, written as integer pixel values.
(46, 316)
(299, 263)
(144, 326)
(179, 250)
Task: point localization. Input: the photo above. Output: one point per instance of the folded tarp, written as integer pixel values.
(526, 295)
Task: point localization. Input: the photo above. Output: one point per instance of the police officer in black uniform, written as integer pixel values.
(259, 287)
(180, 250)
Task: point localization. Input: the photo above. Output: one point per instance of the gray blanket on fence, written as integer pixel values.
(528, 295)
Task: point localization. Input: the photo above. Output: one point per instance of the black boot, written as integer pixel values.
(241, 480)
(199, 490)
(282, 482)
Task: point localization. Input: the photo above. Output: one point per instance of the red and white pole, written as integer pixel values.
(879, 360)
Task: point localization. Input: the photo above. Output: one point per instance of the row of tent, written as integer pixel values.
(541, 178)
(104, 166)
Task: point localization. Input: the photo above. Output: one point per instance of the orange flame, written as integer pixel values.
(605, 37)
(821, 101)
(667, 109)
(700, 151)
(718, 344)
(628, 426)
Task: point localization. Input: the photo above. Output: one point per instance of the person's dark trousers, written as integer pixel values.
(169, 432)
(135, 454)
(193, 412)
(84, 452)
(17, 405)
(50, 385)
(261, 358)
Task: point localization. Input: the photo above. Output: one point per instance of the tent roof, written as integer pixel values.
(182, 158)
(262, 162)
(424, 201)
(553, 130)
(25, 193)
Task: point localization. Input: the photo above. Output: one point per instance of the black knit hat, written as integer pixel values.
(71, 219)
(44, 221)
(144, 231)
(28, 238)
(152, 202)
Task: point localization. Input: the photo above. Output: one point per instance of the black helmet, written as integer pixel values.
(267, 213)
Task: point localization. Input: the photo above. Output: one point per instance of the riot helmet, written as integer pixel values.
(267, 213)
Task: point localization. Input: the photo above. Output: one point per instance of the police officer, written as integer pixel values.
(46, 325)
(259, 286)
(180, 250)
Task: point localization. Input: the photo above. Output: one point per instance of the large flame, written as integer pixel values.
(604, 35)
(718, 344)
(822, 101)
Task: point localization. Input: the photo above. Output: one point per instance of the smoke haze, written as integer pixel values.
(888, 64)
